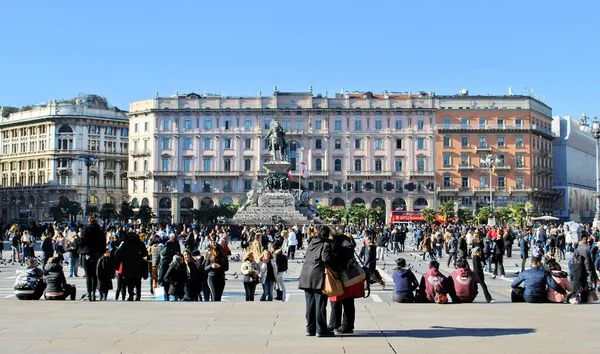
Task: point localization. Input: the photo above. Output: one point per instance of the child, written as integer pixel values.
(106, 271)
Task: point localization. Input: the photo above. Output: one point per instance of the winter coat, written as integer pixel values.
(405, 281)
(536, 281)
(432, 283)
(27, 280)
(583, 250)
(106, 272)
(318, 255)
(248, 269)
(453, 245)
(499, 248)
(54, 278)
(370, 257)
(192, 276)
(131, 254)
(263, 271)
(562, 279)
(524, 248)
(462, 285)
(176, 276)
(92, 240)
(47, 245)
(462, 248)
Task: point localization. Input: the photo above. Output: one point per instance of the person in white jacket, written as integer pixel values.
(292, 244)
(268, 275)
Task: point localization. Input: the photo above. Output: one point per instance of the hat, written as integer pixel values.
(195, 253)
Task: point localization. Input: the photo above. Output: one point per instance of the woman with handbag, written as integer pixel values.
(343, 312)
(250, 272)
(318, 256)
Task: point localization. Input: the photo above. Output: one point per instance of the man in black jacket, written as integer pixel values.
(91, 247)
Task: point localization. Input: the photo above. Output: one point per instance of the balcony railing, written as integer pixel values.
(138, 152)
(520, 189)
(465, 167)
(484, 189)
(165, 173)
(138, 174)
(422, 173)
(488, 127)
(483, 148)
(218, 173)
(449, 188)
(502, 167)
(369, 173)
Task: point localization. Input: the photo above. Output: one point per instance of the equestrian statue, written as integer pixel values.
(276, 139)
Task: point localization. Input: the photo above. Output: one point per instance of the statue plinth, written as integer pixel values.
(277, 166)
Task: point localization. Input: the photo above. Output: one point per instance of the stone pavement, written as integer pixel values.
(157, 327)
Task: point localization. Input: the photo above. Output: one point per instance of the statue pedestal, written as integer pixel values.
(277, 200)
(275, 166)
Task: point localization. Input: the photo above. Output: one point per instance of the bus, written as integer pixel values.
(403, 216)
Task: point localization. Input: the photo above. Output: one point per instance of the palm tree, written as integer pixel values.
(107, 212)
(144, 214)
(484, 214)
(428, 214)
(126, 212)
(57, 212)
(447, 210)
(73, 209)
(91, 210)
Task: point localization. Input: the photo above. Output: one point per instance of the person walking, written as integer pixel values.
(72, 249)
(131, 254)
(318, 255)
(478, 263)
(498, 256)
(452, 250)
(524, 249)
(91, 248)
(216, 264)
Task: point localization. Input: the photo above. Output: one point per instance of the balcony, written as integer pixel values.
(485, 189)
(218, 173)
(465, 167)
(422, 173)
(139, 174)
(483, 148)
(447, 189)
(520, 189)
(479, 127)
(536, 128)
(502, 167)
(165, 173)
(318, 173)
(139, 153)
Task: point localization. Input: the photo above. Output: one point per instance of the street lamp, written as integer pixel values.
(89, 160)
(490, 161)
(173, 189)
(594, 130)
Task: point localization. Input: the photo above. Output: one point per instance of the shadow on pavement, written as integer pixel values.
(446, 332)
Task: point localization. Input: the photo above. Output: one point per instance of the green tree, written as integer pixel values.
(108, 211)
(429, 215)
(503, 215)
(483, 215)
(7, 110)
(326, 212)
(125, 212)
(520, 212)
(57, 212)
(465, 215)
(144, 214)
(357, 213)
(73, 209)
(91, 210)
(447, 210)
(375, 215)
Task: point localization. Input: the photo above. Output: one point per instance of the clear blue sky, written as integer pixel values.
(128, 50)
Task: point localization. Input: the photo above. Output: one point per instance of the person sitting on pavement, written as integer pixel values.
(462, 283)
(56, 283)
(29, 283)
(432, 284)
(536, 280)
(561, 278)
(405, 283)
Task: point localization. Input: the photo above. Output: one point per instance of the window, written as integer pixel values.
(166, 143)
(135, 127)
(446, 181)
(145, 126)
(420, 143)
(228, 125)
(165, 125)
(482, 123)
(247, 164)
(145, 165)
(464, 159)
(446, 121)
(247, 144)
(465, 182)
(378, 125)
(420, 164)
(187, 124)
(378, 144)
(187, 165)
(318, 165)
(227, 165)
(187, 144)
(500, 122)
(165, 164)
(464, 122)
(267, 123)
(483, 142)
(318, 124)
(519, 161)
(208, 124)
(501, 182)
(207, 143)
(399, 186)
(447, 160)
(207, 164)
(187, 186)
(318, 144)
(500, 141)
(247, 185)
(357, 165)
(519, 123)
(398, 165)
(247, 124)
(464, 141)
(358, 125)
(420, 124)
(227, 143)
(398, 143)
(520, 182)
(227, 185)
(378, 165)
(358, 186)
(358, 143)
(357, 113)
(398, 125)
(379, 186)
(446, 140)
(519, 141)
(337, 165)
(206, 187)
(483, 182)
(299, 125)
(338, 144)
(337, 125)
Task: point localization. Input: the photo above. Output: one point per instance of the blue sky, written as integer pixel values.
(128, 50)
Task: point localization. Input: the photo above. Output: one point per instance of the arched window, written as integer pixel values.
(145, 202)
(318, 165)
(65, 129)
(164, 203)
(337, 165)
(93, 200)
(135, 203)
(186, 203)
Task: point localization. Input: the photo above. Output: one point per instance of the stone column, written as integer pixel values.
(388, 209)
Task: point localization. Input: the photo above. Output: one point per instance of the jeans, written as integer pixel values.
(451, 256)
(250, 289)
(134, 282)
(406, 298)
(291, 251)
(343, 314)
(216, 283)
(267, 294)
(316, 311)
(90, 261)
(73, 266)
(281, 284)
(439, 251)
(15, 253)
(120, 287)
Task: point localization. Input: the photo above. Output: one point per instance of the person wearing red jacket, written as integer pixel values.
(462, 283)
(432, 283)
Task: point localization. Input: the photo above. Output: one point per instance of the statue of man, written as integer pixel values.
(276, 139)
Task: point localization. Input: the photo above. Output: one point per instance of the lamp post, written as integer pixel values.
(89, 160)
(594, 130)
(490, 161)
(302, 164)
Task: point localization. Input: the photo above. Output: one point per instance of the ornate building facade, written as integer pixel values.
(192, 150)
(40, 147)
